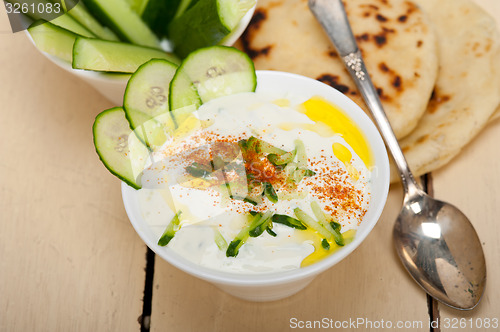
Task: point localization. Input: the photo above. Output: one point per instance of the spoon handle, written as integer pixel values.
(331, 15)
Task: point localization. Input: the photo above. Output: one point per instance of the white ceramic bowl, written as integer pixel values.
(112, 86)
(273, 286)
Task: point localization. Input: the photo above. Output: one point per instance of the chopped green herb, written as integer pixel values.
(252, 144)
(335, 225)
(172, 228)
(318, 213)
(325, 244)
(281, 159)
(262, 224)
(234, 248)
(246, 199)
(243, 144)
(249, 200)
(308, 172)
(288, 221)
(339, 239)
(243, 235)
(270, 193)
(270, 231)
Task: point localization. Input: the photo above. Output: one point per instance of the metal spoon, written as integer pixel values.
(435, 241)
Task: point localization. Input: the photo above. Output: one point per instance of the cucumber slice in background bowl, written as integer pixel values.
(112, 84)
(53, 39)
(218, 71)
(110, 56)
(146, 99)
(157, 14)
(206, 23)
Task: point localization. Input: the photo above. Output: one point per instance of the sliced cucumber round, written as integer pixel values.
(183, 94)
(119, 149)
(216, 71)
(146, 98)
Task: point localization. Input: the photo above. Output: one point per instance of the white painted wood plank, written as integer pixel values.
(70, 260)
(371, 284)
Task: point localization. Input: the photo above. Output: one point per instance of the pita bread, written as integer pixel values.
(394, 36)
(495, 115)
(466, 92)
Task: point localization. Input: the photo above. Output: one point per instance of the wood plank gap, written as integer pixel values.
(145, 318)
(432, 304)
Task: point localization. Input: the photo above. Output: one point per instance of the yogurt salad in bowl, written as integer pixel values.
(256, 190)
(256, 185)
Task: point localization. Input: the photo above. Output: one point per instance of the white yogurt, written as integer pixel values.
(166, 187)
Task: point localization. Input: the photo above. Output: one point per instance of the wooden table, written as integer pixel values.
(71, 261)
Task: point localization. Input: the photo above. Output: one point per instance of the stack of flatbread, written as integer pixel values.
(435, 64)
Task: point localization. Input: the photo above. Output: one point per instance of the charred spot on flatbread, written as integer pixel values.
(332, 53)
(362, 37)
(260, 15)
(403, 18)
(381, 94)
(334, 82)
(437, 99)
(396, 80)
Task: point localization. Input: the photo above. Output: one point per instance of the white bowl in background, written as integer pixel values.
(273, 286)
(112, 86)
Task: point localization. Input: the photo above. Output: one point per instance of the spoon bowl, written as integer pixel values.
(441, 250)
(435, 241)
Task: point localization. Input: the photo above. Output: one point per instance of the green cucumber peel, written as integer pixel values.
(288, 221)
(267, 148)
(271, 232)
(311, 223)
(110, 56)
(270, 193)
(172, 228)
(117, 146)
(80, 13)
(146, 101)
(282, 159)
(240, 239)
(53, 39)
(321, 217)
(261, 226)
(215, 71)
(125, 23)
